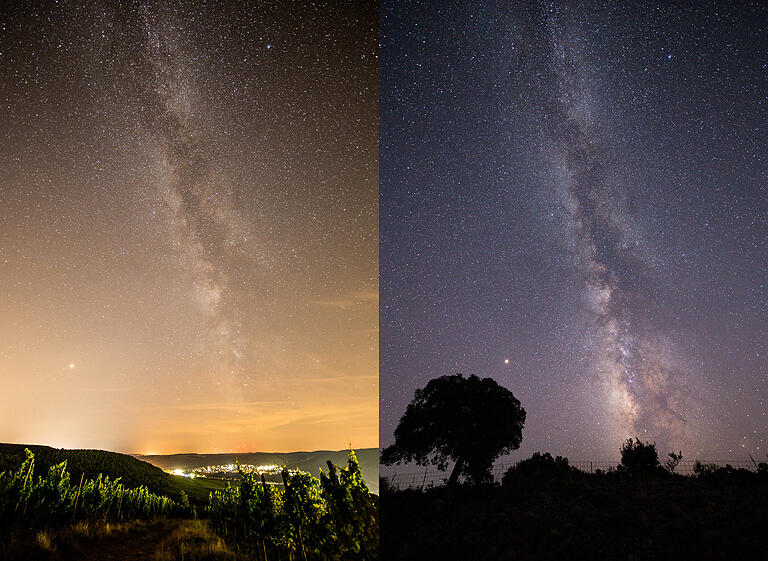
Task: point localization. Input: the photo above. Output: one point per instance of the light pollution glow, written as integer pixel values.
(188, 244)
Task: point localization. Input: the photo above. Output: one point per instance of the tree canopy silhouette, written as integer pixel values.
(471, 421)
(639, 456)
(539, 467)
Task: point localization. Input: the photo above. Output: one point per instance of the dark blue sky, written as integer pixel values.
(581, 191)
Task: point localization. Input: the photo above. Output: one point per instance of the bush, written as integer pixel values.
(727, 475)
(386, 487)
(674, 459)
(540, 467)
(637, 456)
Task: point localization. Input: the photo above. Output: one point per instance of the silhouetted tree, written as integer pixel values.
(673, 461)
(471, 421)
(639, 456)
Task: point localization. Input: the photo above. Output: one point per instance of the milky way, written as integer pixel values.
(644, 387)
(189, 217)
(573, 203)
(204, 223)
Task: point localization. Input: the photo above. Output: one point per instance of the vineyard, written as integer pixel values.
(90, 463)
(334, 517)
(29, 503)
(303, 519)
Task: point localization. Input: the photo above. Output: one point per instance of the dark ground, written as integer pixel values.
(171, 539)
(595, 517)
(138, 543)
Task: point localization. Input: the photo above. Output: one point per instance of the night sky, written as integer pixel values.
(189, 225)
(580, 189)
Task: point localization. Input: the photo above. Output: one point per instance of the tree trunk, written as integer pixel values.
(456, 472)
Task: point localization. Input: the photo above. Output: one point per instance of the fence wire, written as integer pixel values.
(430, 477)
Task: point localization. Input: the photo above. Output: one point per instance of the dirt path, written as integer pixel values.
(138, 543)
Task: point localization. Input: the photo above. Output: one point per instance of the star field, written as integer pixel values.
(189, 217)
(579, 190)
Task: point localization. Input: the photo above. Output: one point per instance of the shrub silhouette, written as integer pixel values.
(539, 467)
(674, 459)
(637, 456)
(471, 421)
(545, 512)
(727, 475)
(703, 470)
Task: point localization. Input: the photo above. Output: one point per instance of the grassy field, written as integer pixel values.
(157, 540)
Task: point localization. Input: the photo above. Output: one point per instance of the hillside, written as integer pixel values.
(138, 470)
(305, 461)
(132, 471)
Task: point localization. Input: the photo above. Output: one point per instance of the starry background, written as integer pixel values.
(189, 225)
(580, 189)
